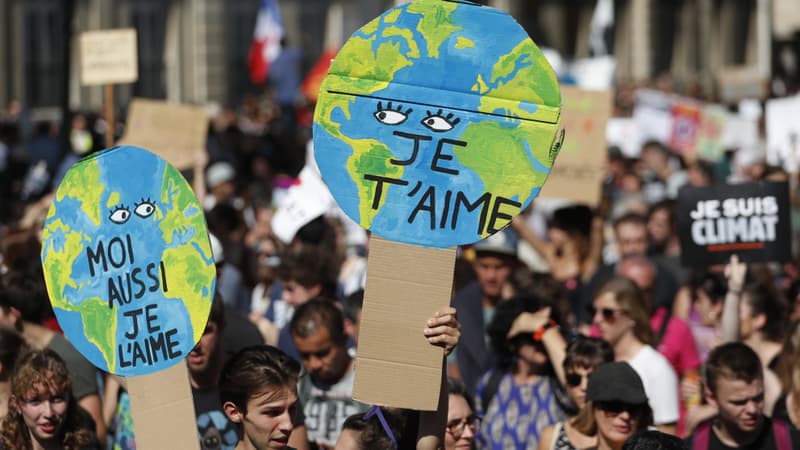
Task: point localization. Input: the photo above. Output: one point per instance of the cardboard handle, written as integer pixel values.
(406, 285)
(163, 409)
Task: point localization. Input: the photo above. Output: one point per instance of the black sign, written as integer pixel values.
(750, 220)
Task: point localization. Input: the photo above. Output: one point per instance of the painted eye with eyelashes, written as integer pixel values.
(391, 116)
(120, 214)
(438, 122)
(144, 208)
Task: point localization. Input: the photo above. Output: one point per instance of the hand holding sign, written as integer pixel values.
(751, 220)
(735, 272)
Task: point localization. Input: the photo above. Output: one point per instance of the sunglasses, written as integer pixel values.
(616, 408)
(575, 379)
(609, 314)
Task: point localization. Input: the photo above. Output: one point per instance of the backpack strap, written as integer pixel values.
(662, 330)
(490, 389)
(783, 439)
(701, 436)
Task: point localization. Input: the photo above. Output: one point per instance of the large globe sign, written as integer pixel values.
(436, 123)
(127, 261)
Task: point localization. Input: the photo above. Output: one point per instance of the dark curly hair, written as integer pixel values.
(504, 315)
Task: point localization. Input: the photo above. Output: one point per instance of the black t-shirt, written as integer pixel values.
(780, 412)
(764, 441)
(214, 429)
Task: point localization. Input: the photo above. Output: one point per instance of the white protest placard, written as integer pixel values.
(108, 57)
(653, 115)
(303, 203)
(783, 133)
(623, 133)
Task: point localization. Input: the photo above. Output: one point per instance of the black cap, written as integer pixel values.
(616, 382)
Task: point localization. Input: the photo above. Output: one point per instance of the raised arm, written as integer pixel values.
(442, 330)
(544, 330)
(735, 273)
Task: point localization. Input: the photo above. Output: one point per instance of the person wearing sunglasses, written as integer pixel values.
(521, 395)
(584, 354)
(616, 406)
(620, 316)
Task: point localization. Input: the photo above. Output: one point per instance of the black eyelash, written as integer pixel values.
(144, 200)
(398, 109)
(448, 118)
(117, 208)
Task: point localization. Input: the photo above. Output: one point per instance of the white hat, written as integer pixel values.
(218, 173)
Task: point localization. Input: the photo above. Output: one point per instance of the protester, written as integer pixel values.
(699, 302)
(258, 394)
(630, 238)
(755, 314)
(451, 424)
(205, 363)
(654, 440)
(20, 296)
(495, 260)
(734, 379)
(326, 391)
(622, 319)
(42, 412)
(462, 420)
(616, 406)
(787, 407)
(584, 354)
(12, 344)
(525, 374)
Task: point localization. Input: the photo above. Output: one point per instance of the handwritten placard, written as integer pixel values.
(127, 261)
(108, 57)
(173, 131)
(580, 168)
(427, 132)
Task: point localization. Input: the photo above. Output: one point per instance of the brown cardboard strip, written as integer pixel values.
(163, 410)
(406, 285)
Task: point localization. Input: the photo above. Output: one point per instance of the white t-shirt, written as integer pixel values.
(660, 384)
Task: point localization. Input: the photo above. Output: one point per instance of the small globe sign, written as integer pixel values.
(436, 123)
(127, 261)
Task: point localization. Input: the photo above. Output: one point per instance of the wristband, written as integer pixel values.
(537, 335)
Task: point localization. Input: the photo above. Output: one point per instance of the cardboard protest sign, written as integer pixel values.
(428, 133)
(303, 203)
(750, 220)
(108, 57)
(653, 115)
(578, 173)
(783, 133)
(174, 132)
(685, 126)
(435, 126)
(713, 119)
(623, 133)
(127, 261)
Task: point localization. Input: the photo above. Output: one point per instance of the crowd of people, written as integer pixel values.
(575, 327)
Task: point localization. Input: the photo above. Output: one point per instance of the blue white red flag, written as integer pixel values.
(266, 44)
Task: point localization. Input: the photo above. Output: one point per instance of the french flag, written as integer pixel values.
(266, 44)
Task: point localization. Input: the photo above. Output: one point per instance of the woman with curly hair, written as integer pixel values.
(42, 413)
